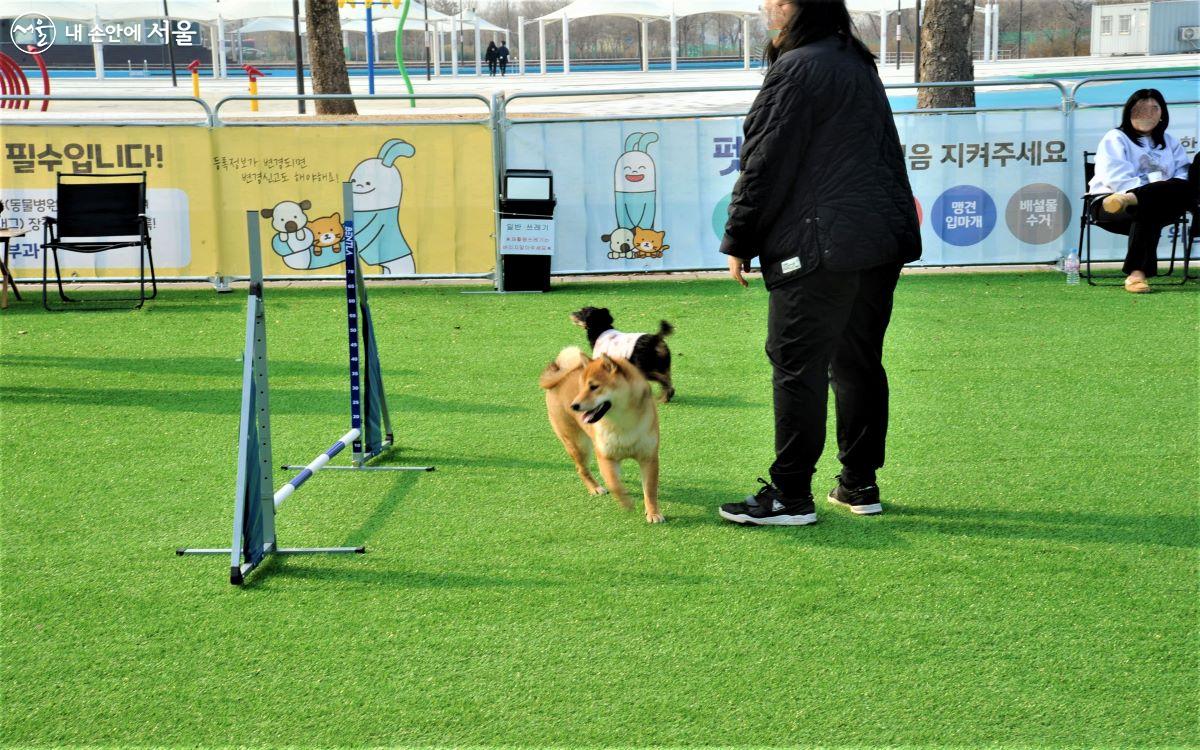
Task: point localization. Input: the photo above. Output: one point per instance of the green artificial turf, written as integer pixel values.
(1032, 583)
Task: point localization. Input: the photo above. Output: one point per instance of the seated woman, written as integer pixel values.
(1143, 175)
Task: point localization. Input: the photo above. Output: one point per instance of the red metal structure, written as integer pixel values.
(13, 81)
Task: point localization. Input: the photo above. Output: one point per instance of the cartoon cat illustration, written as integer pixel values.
(293, 239)
(327, 232)
(649, 243)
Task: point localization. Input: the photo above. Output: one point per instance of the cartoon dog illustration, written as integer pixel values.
(378, 188)
(635, 183)
(648, 243)
(327, 234)
(293, 240)
(620, 243)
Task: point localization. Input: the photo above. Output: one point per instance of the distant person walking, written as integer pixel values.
(502, 55)
(492, 56)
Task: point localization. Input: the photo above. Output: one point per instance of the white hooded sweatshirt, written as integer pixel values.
(1122, 164)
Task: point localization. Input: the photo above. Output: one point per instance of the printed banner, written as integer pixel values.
(995, 187)
(424, 196)
(180, 200)
(991, 187)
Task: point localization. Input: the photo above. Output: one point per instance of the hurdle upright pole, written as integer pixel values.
(358, 324)
(255, 427)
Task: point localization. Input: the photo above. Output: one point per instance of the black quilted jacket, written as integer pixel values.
(823, 178)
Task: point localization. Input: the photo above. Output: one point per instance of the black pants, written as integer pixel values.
(1159, 205)
(491, 67)
(503, 67)
(827, 326)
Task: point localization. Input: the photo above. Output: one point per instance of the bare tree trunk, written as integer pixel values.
(946, 53)
(326, 57)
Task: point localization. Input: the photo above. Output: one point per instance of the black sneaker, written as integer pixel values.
(861, 500)
(768, 507)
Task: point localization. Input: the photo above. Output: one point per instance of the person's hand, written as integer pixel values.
(737, 267)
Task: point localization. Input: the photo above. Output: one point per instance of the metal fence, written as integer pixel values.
(973, 140)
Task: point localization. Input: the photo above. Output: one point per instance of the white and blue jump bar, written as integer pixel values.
(318, 463)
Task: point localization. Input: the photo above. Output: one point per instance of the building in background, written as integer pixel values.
(1165, 27)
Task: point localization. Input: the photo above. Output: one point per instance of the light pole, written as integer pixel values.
(1020, 28)
(917, 49)
(299, 54)
(170, 49)
(899, 24)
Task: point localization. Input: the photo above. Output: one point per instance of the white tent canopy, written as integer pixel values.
(194, 10)
(111, 10)
(991, 22)
(215, 12)
(271, 24)
(727, 7)
(261, 15)
(645, 11)
(657, 9)
(357, 27)
(469, 18)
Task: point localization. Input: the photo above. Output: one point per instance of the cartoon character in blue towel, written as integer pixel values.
(635, 189)
(378, 188)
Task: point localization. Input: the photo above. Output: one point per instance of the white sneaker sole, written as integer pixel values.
(804, 519)
(861, 510)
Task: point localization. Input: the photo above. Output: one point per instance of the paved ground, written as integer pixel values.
(628, 103)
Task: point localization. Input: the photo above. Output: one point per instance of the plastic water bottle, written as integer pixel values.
(1071, 265)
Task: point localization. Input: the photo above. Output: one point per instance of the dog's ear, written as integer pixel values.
(609, 365)
(305, 204)
(267, 212)
(577, 320)
(584, 360)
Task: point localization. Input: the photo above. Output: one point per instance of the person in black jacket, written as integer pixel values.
(491, 56)
(502, 55)
(824, 203)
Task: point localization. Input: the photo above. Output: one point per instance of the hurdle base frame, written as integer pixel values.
(256, 499)
(237, 574)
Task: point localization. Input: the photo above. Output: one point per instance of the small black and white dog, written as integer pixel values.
(646, 351)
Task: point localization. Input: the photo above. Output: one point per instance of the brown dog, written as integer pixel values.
(607, 403)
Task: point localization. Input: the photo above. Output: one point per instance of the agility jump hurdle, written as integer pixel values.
(370, 434)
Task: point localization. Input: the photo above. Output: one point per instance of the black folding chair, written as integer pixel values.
(1177, 230)
(99, 212)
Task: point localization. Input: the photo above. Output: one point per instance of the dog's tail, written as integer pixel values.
(564, 364)
(665, 329)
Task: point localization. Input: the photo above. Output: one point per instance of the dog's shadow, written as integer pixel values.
(704, 401)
